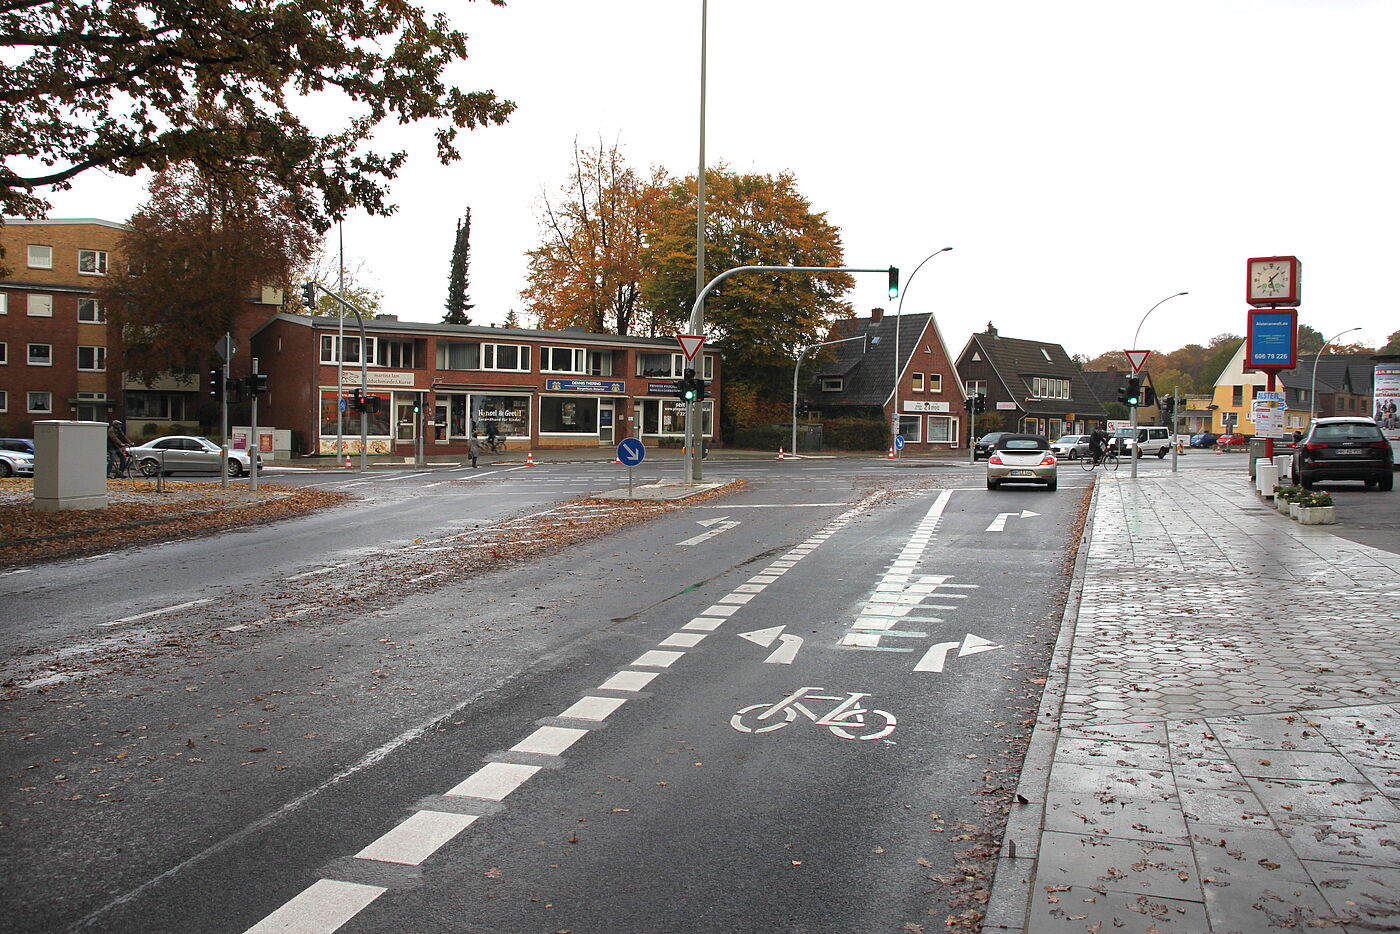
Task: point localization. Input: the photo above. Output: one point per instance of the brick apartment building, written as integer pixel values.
(537, 389)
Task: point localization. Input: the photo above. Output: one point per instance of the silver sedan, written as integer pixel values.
(187, 454)
(1023, 459)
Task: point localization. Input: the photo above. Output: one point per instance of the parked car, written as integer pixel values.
(1155, 440)
(1022, 459)
(186, 454)
(987, 443)
(1204, 439)
(16, 463)
(1347, 448)
(1071, 447)
(22, 445)
(1232, 440)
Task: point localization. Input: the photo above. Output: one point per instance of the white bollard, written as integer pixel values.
(1284, 463)
(1265, 476)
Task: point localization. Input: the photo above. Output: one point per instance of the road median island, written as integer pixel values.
(140, 514)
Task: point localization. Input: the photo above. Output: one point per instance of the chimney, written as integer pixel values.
(991, 330)
(876, 314)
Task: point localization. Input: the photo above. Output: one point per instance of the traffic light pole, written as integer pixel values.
(693, 428)
(223, 426)
(1137, 448)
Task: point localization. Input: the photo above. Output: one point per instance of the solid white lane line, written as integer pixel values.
(167, 609)
(549, 740)
(596, 708)
(657, 659)
(321, 908)
(682, 640)
(494, 781)
(417, 838)
(629, 680)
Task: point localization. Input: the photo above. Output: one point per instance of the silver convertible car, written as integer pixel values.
(1022, 459)
(186, 454)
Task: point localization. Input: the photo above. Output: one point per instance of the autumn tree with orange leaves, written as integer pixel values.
(587, 272)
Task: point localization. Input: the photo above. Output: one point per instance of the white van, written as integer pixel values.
(1151, 439)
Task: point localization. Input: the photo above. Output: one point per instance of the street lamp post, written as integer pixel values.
(898, 313)
(798, 366)
(1137, 448)
(1312, 393)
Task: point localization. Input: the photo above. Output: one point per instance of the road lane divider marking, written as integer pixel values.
(549, 740)
(628, 681)
(592, 707)
(149, 613)
(657, 659)
(682, 640)
(417, 838)
(494, 781)
(322, 907)
(704, 624)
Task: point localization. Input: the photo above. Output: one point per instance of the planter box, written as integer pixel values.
(1317, 515)
(1281, 504)
(1293, 510)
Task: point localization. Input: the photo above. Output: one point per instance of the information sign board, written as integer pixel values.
(1271, 341)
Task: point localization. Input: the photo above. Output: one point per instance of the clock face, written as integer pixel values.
(1270, 280)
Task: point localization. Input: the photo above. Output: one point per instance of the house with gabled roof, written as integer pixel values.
(1032, 385)
(903, 368)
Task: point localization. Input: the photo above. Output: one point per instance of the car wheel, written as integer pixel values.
(1162, 453)
(1386, 482)
(1053, 485)
(149, 467)
(993, 484)
(235, 469)
(6, 470)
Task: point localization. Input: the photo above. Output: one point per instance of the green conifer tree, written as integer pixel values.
(458, 279)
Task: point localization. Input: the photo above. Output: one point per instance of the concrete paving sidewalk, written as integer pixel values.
(1218, 748)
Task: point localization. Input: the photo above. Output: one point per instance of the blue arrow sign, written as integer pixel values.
(899, 442)
(631, 452)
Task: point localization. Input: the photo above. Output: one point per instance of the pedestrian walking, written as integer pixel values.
(474, 448)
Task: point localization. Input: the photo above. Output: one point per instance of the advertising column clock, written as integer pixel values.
(1273, 281)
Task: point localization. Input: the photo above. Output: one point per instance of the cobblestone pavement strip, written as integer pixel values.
(1227, 758)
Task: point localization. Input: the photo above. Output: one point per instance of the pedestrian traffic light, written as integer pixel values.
(1149, 396)
(894, 282)
(686, 390)
(1131, 393)
(357, 401)
(308, 295)
(417, 405)
(216, 383)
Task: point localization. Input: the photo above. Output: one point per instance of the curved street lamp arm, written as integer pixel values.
(1149, 311)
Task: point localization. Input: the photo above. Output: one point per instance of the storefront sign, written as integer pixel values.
(381, 378)
(584, 385)
(662, 389)
(926, 407)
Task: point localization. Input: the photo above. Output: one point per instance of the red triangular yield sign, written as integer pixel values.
(1137, 358)
(690, 344)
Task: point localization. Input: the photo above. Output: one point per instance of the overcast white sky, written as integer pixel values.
(1084, 159)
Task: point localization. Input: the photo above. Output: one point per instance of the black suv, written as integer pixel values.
(987, 444)
(1344, 449)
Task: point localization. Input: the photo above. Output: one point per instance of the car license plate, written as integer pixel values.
(1351, 451)
(1021, 473)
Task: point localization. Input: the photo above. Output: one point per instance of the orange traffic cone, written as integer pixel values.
(891, 452)
(348, 465)
(780, 453)
(529, 458)
(1219, 449)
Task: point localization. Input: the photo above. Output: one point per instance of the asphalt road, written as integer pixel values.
(309, 724)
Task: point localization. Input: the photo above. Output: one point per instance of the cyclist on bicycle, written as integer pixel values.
(1098, 444)
(492, 437)
(117, 443)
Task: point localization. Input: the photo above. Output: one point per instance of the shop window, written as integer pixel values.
(508, 415)
(942, 430)
(376, 423)
(41, 355)
(40, 403)
(910, 428)
(512, 357)
(666, 418)
(568, 416)
(40, 257)
(92, 262)
(93, 359)
(90, 310)
(561, 360)
(40, 306)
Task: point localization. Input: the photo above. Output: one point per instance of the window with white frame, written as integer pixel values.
(41, 355)
(4, 401)
(4, 353)
(350, 349)
(512, 357)
(600, 363)
(458, 355)
(40, 306)
(1044, 387)
(40, 257)
(942, 429)
(394, 353)
(562, 360)
(40, 403)
(92, 262)
(833, 384)
(909, 428)
(918, 382)
(975, 386)
(90, 310)
(708, 366)
(935, 382)
(4, 303)
(92, 358)
(652, 363)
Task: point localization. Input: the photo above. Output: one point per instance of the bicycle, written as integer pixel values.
(494, 445)
(120, 467)
(844, 720)
(1108, 460)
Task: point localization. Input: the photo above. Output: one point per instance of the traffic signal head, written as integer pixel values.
(1149, 396)
(981, 405)
(308, 295)
(894, 282)
(216, 383)
(1132, 392)
(688, 390)
(417, 405)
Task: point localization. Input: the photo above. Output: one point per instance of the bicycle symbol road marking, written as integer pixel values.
(847, 720)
